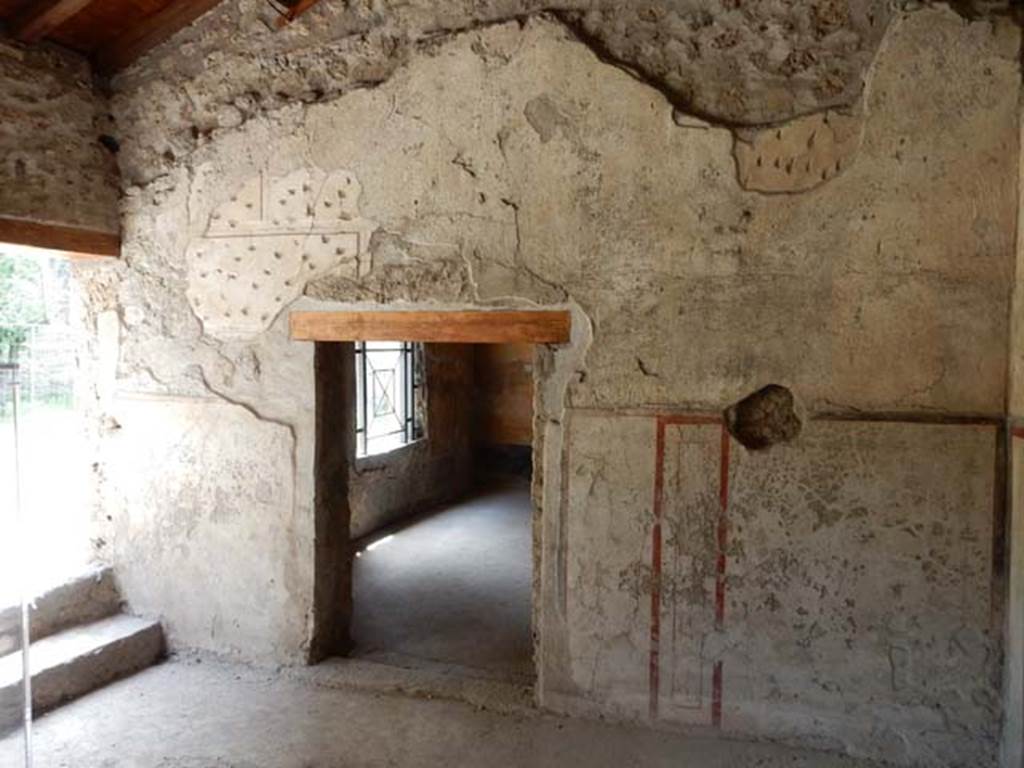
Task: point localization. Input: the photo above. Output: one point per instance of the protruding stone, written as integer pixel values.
(764, 418)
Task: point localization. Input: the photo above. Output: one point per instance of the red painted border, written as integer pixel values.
(716, 695)
(689, 418)
(723, 531)
(723, 540)
(654, 668)
(659, 493)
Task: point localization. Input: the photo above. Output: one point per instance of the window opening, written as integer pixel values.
(389, 395)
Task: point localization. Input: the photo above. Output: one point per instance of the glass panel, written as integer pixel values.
(388, 395)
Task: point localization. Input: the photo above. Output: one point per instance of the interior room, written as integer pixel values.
(503, 383)
(440, 505)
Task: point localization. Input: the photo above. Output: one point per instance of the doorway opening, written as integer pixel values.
(41, 337)
(425, 554)
(441, 525)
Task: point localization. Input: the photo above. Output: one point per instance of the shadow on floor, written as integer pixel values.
(452, 588)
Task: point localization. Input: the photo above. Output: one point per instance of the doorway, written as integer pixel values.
(42, 335)
(441, 525)
(424, 549)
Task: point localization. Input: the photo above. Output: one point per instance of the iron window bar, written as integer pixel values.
(410, 365)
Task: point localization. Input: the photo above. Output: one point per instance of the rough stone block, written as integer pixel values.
(79, 660)
(86, 598)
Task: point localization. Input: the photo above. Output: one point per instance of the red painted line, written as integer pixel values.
(691, 418)
(1017, 431)
(659, 492)
(716, 695)
(723, 474)
(656, 555)
(723, 540)
(723, 529)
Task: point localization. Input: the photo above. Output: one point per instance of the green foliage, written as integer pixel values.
(22, 302)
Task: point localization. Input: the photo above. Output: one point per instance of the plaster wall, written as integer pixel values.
(748, 65)
(504, 392)
(53, 168)
(508, 165)
(864, 581)
(1013, 691)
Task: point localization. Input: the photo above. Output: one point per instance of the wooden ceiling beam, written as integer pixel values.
(294, 12)
(72, 241)
(40, 18)
(149, 33)
(447, 326)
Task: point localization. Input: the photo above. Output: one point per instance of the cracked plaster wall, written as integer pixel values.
(858, 606)
(53, 168)
(734, 62)
(509, 165)
(1012, 746)
(1013, 737)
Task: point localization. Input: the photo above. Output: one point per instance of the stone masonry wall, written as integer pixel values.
(53, 168)
(843, 588)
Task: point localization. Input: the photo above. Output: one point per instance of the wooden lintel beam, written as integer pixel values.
(148, 33)
(73, 241)
(40, 18)
(456, 326)
(294, 12)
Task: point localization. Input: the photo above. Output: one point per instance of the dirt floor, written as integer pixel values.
(452, 588)
(201, 713)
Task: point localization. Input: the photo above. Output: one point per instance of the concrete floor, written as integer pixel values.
(452, 589)
(201, 713)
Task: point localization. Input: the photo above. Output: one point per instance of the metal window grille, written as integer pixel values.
(389, 386)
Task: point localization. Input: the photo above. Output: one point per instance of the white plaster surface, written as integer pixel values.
(861, 596)
(858, 585)
(223, 537)
(267, 240)
(1012, 754)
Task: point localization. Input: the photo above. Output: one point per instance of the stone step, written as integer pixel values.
(76, 661)
(86, 598)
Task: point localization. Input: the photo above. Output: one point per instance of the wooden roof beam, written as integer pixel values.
(149, 33)
(40, 18)
(72, 241)
(294, 12)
